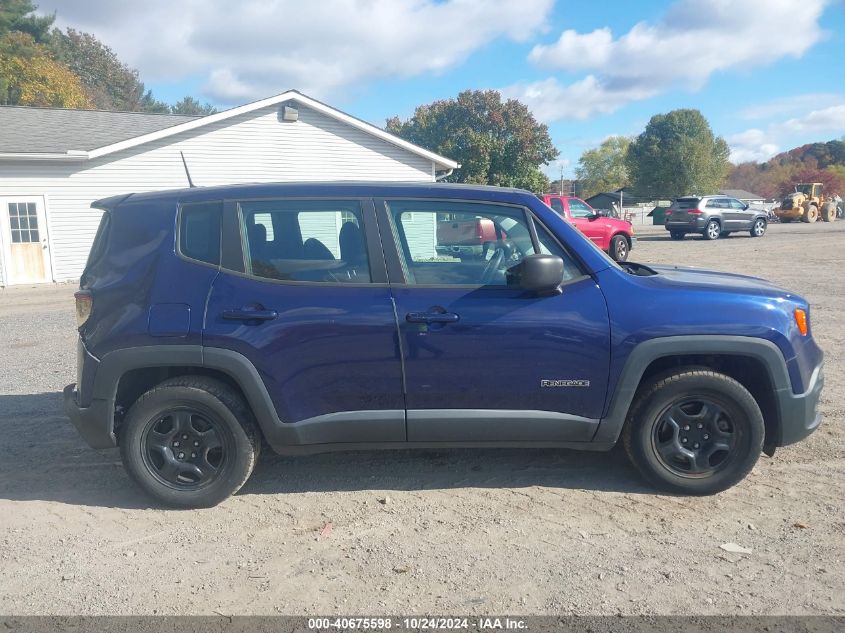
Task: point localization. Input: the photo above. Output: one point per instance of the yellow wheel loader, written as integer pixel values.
(806, 203)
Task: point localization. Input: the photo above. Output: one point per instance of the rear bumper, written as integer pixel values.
(689, 227)
(95, 422)
(799, 413)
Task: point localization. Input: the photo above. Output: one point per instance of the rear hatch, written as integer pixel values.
(684, 211)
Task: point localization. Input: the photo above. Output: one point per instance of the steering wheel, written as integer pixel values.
(493, 265)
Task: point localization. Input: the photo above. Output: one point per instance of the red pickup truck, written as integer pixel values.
(613, 236)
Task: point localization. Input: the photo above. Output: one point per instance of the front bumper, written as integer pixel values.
(799, 413)
(95, 422)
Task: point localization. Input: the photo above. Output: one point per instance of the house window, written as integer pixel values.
(23, 222)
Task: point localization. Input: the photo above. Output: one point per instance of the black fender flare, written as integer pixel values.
(649, 351)
(114, 365)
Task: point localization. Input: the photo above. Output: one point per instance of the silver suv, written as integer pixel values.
(713, 217)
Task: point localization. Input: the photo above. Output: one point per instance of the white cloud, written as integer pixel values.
(691, 42)
(791, 104)
(759, 145)
(255, 48)
(751, 145)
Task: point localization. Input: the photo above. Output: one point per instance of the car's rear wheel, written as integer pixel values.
(619, 248)
(694, 431)
(190, 442)
(758, 229)
(677, 235)
(712, 231)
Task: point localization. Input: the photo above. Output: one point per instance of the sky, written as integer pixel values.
(767, 74)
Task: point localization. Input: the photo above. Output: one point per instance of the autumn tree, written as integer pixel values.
(604, 168)
(496, 142)
(30, 76)
(677, 154)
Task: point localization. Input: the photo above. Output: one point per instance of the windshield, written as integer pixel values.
(807, 190)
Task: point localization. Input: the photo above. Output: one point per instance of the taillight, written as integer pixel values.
(84, 306)
(695, 211)
(668, 212)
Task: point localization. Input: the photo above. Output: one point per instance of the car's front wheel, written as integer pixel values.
(619, 248)
(712, 231)
(758, 229)
(190, 442)
(694, 431)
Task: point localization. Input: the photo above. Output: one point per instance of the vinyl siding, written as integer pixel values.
(253, 147)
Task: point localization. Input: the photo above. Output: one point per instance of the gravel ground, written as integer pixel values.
(471, 532)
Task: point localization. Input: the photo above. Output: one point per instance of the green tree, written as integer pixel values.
(677, 154)
(496, 142)
(192, 107)
(110, 84)
(16, 15)
(603, 168)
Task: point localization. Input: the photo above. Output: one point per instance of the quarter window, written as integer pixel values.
(318, 241)
(199, 231)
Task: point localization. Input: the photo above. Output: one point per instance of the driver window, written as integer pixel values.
(579, 210)
(459, 243)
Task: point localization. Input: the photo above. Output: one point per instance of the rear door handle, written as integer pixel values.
(431, 317)
(250, 315)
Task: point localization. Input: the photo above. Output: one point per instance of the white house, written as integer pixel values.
(54, 163)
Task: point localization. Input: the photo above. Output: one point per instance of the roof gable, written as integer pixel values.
(185, 124)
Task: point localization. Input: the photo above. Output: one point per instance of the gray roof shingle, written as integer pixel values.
(52, 130)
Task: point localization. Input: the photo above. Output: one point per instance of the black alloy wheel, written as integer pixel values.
(186, 448)
(695, 437)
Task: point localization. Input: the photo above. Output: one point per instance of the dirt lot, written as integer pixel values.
(446, 532)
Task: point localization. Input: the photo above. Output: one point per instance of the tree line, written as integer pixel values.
(41, 65)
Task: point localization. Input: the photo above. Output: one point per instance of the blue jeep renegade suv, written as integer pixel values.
(322, 317)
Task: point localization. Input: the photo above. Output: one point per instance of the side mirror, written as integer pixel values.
(541, 274)
(601, 213)
(745, 206)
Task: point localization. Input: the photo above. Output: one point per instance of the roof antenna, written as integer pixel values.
(187, 171)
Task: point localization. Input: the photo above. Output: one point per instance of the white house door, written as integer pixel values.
(26, 252)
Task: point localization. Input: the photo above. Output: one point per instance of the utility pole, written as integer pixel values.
(560, 182)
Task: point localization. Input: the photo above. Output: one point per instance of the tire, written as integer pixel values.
(829, 212)
(712, 231)
(811, 214)
(677, 235)
(210, 416)
(725, 449)
(619, 248)
(758, 229)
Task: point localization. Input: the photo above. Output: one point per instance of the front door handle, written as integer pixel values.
(432, 317)
(250, 315)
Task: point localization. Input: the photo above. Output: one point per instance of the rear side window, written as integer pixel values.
(305, 240)
(688, 203)
(199, 231)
